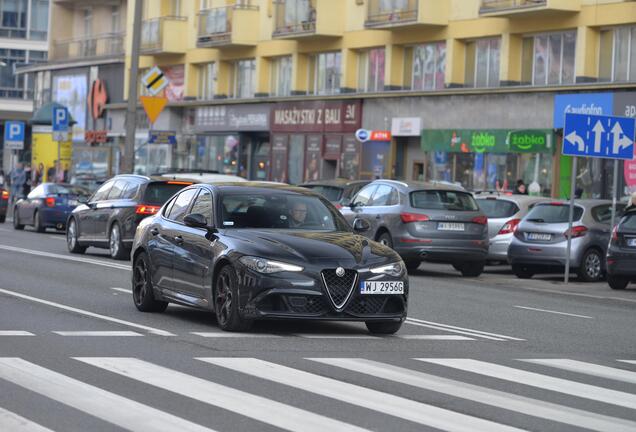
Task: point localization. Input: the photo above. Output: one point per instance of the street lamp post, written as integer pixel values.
(131, 110)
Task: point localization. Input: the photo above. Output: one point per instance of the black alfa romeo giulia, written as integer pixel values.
(259, 251)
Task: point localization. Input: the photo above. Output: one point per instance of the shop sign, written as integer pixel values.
(162, 137)
(581, 103)
(380, 135)
(488, 140)
(95, 136)
(625, 104)
(629, 171)
(406, 126)
(236, 118)
(316, 116)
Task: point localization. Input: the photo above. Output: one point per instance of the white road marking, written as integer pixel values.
(124, 290)
(483, 395)
(628, 361)
(243, 403)
(112, 408)
(587, 368)
(533, 379)
(452, 331)
(87, 313)
(378, 401)
(554, 312)
(66, 257)
(334, 336)
(436, 337)
(57, 237)
(461, 330)
(98, 333)
(233, 335)
(15, 333)
(10, 421)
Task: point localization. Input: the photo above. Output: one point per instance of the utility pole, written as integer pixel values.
(133, 79)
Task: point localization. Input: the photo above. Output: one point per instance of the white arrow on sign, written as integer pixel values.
(598, 134)
(577, 140)
(620, 140)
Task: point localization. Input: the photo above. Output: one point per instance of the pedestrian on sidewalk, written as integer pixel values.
(18, 178)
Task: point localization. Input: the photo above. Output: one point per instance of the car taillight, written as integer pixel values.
(510, 226)
(615, 233)
(143, 209)
(577, 231)
(480, 220)
(50, 202)
(413, 217)
(5, 195)
(338, 206)
(558, 204)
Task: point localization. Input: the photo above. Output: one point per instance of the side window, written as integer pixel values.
(382, 195)
(131, 191)
(181, 204)
(168, 207)
(38, 192)
(203, 205)
(102, 192)
(117, 189)
(364, 196)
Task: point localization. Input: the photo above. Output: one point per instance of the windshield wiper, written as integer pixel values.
(535, 220)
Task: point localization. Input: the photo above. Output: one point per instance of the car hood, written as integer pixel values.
(312, 246)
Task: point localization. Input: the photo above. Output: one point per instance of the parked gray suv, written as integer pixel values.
(435, 222)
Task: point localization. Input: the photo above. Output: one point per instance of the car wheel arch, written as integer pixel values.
(380, 231)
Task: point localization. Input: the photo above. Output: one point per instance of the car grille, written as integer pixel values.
(311, 305)
(339, 288)
(367, 305)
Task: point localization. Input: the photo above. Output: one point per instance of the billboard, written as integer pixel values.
(71, 91)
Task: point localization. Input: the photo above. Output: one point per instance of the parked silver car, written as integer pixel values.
(540, 241)
(423, 222)
(504, 213)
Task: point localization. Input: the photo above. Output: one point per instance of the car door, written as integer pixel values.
(161, 247)
(359, 204)
(193, 254)
(87, 217)
(382, 209)
(105, 208)
(27, 206)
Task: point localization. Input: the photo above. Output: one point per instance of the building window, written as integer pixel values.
(548, 59)
(425, 66)
(39, 19)
(14, 18)
(482, 63)
(88, 22)
(281, 76)
(207, 81)
(244, 78)
(324, 73)
(371, 70)
(115, 18)
(12, 85)
(295, 15)
(617, 59)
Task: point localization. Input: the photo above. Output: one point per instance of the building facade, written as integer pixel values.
(274, 89)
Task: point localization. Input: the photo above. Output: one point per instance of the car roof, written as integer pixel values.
(583, 202)
(335, 182)
(410, 186)
(258, 187)
(517, 198)
(202, 177)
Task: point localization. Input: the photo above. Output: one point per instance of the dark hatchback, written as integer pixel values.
(250, 251)
(110, 217)
(621, 253)
(338, 191)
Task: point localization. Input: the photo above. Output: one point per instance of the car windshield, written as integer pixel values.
(497, 209)
(157, 193)
(443, 200)
(553, 213)
(332, 193)
(279, 210)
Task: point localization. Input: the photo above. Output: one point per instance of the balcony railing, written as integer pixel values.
(382, 13)
(102, 45)
(501, 5)
(294, 17)
(152, 32)
(215, 24)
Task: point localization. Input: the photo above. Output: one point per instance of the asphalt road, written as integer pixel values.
(487, 354)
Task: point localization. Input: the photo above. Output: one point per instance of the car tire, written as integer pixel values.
(115, 245)
(472, 269)
(591, 268)
(522, 272)
(37, 222)
(143, 293)
(16, 220)
(617, 282)
(412, 265)
(226, 306)
(386, 239)
(72, 238)
(383, 327)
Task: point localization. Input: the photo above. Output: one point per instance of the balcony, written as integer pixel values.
(163, 35)
(512, 8)
(89, 47)
(313, 19)
(234, 25)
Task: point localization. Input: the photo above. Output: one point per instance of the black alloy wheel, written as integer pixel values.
(617, 282)
(522, 272)
(226, 302)
(591, 268)
(386, 239)
(72, 242)
(143, 294)
(37, 222)
(16, 220)
(383, 327)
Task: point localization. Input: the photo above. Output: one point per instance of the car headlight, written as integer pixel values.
(262, 265)
(394, 269)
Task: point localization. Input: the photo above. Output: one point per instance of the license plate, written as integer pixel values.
(378, 287)
(631, 242)
(450, 226)
(539, 236)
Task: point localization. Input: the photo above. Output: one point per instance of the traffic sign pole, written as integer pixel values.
(614, 194)
(570, 220)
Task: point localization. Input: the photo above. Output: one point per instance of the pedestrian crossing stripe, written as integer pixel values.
(154, 80)
(135, 416)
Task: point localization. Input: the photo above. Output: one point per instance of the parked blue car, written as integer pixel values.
(48, 206)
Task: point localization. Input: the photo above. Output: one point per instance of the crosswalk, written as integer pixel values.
(317, 394)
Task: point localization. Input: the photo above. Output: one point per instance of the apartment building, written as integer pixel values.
(23, 40)
(470, 89)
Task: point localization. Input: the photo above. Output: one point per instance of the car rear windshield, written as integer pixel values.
(603, 213)
(157, 193)
(332, 193)
(443, 200)
(553, 213)
(497, 209)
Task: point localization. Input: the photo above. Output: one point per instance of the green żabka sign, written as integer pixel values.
(488, 140)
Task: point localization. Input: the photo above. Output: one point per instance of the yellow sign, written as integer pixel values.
(154, 80)
(153, 106)
(44, 158)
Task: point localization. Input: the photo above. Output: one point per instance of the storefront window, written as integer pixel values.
(260, 161)
(218, 153)
(281, 76)
(428, 66)
(371, 70)
(152, 158)
(552, 58)
(295, 159)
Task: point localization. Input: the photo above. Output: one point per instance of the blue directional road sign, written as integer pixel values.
(14, 135)
(60, 124)
(599, 136)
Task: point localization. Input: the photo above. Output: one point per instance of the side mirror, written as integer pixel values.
(196, 220)
(361, 225)
(353, 205)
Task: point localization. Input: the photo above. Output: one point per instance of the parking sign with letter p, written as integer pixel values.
(14, 135)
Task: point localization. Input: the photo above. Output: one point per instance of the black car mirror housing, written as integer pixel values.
(361, 225)
(196, 220)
